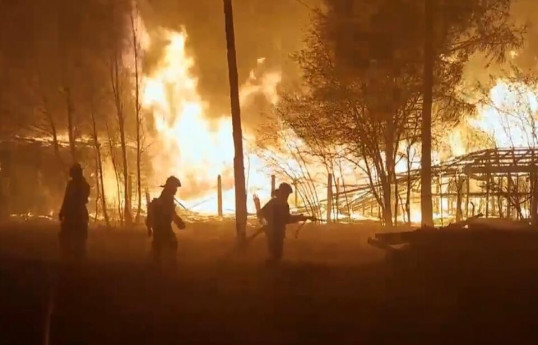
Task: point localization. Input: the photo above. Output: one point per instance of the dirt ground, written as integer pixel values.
(332, 288)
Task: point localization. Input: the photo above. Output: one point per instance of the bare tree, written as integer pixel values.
(111, 147)
(368, 100)
(99, 163)
(117, 81)
(138, 108)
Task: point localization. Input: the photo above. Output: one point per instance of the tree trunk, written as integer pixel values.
(127, 198)
(70, 124)
(459, 198)
(97, 146)
(387, 203)
(55, 143)
(116, 88)
(426, 159)
(98, 187)
(239, 169)
(396, 204)
(115, 166)
(138, 120)
(409, 186)
(389, 171)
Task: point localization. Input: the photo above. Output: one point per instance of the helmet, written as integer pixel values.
(75, 170)
(285, 187)
(172, 181)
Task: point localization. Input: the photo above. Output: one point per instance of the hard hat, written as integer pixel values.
(285, 187)
(172, 181)
(75, 170)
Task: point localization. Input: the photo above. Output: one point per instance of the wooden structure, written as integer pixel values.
(500, 183)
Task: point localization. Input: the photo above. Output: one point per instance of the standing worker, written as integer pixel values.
(74, 216)
(277, 214)
(161, 214)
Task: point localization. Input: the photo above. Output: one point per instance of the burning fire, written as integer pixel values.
(197, 147)
(510, 117)
(189, 143)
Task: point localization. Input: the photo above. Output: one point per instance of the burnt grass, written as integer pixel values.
(332, 288)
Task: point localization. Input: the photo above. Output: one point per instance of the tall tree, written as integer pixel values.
(138, 107)
(239, 165)
(99, 162)
(118, 87)
(426, 129)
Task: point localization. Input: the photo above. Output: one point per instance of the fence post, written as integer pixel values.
(219, 195)
(296, 193)
(329, 197)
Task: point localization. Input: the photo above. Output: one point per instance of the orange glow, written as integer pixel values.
(190, 144)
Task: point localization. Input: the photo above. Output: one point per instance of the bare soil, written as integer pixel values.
(333, 288)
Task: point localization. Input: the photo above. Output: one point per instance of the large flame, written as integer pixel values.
(197, 146)
(510, 116)
(189, 143)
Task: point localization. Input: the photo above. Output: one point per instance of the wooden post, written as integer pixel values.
(499, 198)
(459, 189)
(493, 199)
(508, 198)
(329, 197)
(129, 188)
(441, 199)
(518, 198)
(296, 193)
(426, 128)
(487, 194)
(239, 164)
(219, 196)
(468, 190)
(273, 184)
(533, 192)
(337, 203)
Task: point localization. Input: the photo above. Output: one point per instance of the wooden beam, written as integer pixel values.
(219, 196)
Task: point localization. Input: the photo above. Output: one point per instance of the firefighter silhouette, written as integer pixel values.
(161, 214)
(74, 215)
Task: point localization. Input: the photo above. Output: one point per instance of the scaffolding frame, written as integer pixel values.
(500, 183)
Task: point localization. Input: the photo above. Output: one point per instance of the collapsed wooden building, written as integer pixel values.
(501, 183)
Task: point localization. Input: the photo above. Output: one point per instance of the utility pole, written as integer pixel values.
(239, 169)
(426, 159)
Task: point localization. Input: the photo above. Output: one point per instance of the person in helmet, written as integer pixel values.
(277, 215)
(74, 215)
(160, 217)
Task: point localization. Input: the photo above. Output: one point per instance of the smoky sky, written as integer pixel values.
(525, 12)
(270, 29)
(273, 29)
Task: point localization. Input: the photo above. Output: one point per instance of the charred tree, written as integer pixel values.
(71, 131)
(49, 126)
(100, 178)
(116, 172)
(239, 169)
(117, 88)
(426, 131)
(138, 110)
